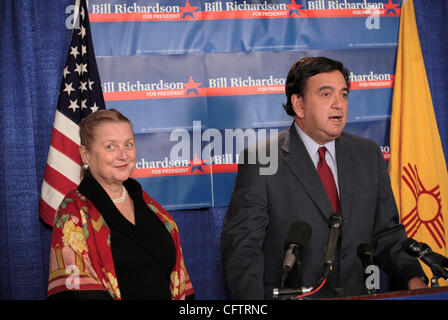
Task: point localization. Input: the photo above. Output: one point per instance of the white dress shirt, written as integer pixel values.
(312, 147)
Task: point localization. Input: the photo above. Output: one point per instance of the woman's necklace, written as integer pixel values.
(122, 197)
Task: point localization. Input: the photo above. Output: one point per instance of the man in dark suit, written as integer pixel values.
(264, 206)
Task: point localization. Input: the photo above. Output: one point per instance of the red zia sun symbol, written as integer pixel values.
(427, 210)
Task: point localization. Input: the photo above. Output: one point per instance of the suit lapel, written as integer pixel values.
(299, 162)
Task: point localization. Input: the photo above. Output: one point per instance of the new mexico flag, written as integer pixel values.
(417, 165)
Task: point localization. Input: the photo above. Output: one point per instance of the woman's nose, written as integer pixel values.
(122, 154)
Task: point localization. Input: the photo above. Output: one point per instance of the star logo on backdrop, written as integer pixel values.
(192, 87)
(294, 8)
(188, 10)
(392, 76)
(391, 7)
(196, 164)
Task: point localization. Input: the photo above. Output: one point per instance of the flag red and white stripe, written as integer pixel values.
(80, 95)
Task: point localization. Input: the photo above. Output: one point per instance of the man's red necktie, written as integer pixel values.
(327, 178)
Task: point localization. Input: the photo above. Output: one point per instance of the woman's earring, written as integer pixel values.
(85, 166)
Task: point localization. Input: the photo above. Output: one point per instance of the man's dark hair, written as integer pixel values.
(305, 68)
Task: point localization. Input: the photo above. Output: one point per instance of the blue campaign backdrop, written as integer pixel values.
(196, 64)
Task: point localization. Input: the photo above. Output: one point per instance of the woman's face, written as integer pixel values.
(111, 155)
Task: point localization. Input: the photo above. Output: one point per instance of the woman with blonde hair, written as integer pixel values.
(110, 239)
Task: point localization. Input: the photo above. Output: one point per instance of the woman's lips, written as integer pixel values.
(122, 166)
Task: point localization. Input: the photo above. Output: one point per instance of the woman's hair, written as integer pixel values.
(305, 68)
(89, 124)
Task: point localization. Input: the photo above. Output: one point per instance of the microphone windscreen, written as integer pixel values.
(365, 250)
(410, 246)
(299, 233)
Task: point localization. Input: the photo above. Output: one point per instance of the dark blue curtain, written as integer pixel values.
(34, 43)
(32, 57)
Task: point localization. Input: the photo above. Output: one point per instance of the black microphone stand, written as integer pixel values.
(437, 272)
(434, 281)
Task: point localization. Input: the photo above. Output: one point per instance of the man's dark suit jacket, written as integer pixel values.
(263, 207)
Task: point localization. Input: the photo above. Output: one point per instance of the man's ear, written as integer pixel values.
(297, 105)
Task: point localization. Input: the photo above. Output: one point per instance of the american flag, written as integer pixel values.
(80, 95)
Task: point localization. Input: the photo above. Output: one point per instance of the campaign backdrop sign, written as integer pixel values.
(202, 80)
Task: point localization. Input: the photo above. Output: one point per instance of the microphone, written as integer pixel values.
(365, 253)
(335, 223)
(298, 237)
(421, 250)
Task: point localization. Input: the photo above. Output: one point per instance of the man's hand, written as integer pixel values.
(416, 283)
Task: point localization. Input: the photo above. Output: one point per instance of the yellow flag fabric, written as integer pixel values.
(417, 165)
